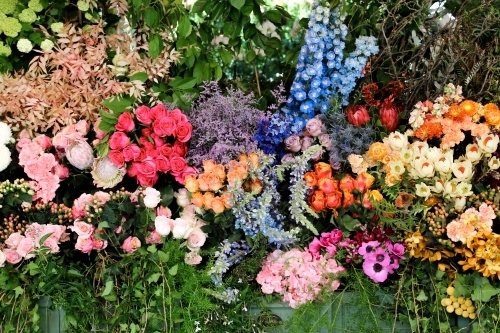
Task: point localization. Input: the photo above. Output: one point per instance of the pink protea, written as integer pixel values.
(80, 154)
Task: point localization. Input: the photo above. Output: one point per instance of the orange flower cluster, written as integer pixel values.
(331, 193)
(416, 244)
(216, 177)
(481, 254)
(429, 130)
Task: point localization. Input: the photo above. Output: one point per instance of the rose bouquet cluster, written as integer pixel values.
(298, 275)
(314, 133)
(36, 238)
(379, 255)
(156, 144)
(330, 193)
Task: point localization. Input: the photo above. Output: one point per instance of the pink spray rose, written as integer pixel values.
(131, 244)
(84, 244)
(192, 258)
(125, 122)
(196, 239)
(82, 229)
(11, 256)
(154, 238)
(293, 144)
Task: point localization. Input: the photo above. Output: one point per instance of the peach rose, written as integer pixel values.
(208, 166)
(197, 199)
(334, 200)
(213, 182)
(227, 200)
(323, 170)
(317, 201)
(348, 199)
(207, 198)
(217, 205)
(84, 244)
(311, 179)
(191, 183)
(131, 244)
(348, 183)
(220, 171)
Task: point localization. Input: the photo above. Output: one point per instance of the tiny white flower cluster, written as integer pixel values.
(5, 138)
(268, 29)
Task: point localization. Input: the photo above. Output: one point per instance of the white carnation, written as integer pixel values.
(5, 133)
(4, 157)
(24, 45)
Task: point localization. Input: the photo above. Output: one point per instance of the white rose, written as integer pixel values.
(151, 197)
(182, 197)
(398, 141)
(181, 229)
(196, 239)
(163, 225)
(488, 143)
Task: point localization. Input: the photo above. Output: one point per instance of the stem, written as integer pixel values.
(364, 291)
(417, 317)
(257, 78)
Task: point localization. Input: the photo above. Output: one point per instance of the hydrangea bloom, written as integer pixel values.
(10, 26)
(8, 6)
(28, 15)
(47, 45)
(56, 27)
(35, 5)
(24, 45)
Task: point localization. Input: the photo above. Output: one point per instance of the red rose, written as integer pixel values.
(147, 167)
(183, 131)
(178, 115)
(146, 180)
(162, 163)
(142, 114)
(134, 169)
(180, 148)
(152, 153)
(158, 141)
(188, 170)
(164, 126)
(177, 164)
(116, 157)
(125, 122)
(158, 112)
(166, 150)
(358, 115)
(131, 152)
(145, 143)
(118, 140)
(146, 131)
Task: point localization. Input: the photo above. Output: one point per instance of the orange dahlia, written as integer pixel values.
(469, 107)
(377, 151)
(492, 114)
(429, 130)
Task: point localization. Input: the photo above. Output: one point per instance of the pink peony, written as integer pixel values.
(131, 244)
(26, 247)
(80, 154)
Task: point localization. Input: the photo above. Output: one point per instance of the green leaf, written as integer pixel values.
(116, 104)
(164, 257)
(484, 293)
(141, 76)
(273, 15)
(274, 43)
(110, 298)
(109, 215)
(155, 45)
(218, 73)
(103, 224)
(250, 56)
(237, 3)
(173, 271)
(183, 84)
(74, 272)
(19, 291)
(151, 17)
(198, 6)
(184, 29)
(153, 278)
(349, 223)
(202, 72)
(151, 248)
(421, 296)
(231, 29)
(108, 288)
(167, 195)
(226, 56)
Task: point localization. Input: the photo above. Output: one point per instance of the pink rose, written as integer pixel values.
(158, 141)
(196, 239)
(158, 112)
(163, 225)
(13, 241)
(43, 141)
(147, 167)
(183, 131)
(131, 244)
(52, 244)
(61, 171)
(125, 122)
(84, 244)
(164, 126)
(133, 171)
(98, 244)
(80, 154)
(293, 144)
(192, 258)
(142, 114)
(99, 134)
(162, 163)
(186, 172)
(102, 197)
(154, 238)
(178, 115)
(317, 156)
(79, 209)
(165, 211)
(11, 256)
(131, 152)
(165, 150)
(118, 140)
(147, 181)
(306, 142)
(177, 164)
(326, 141)
(287, 158)
(180, 148)
(82, 229)
(25, 248)
(313, 127)
(56, 231)
(116, 157)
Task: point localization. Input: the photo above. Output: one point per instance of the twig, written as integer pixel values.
(257, 78)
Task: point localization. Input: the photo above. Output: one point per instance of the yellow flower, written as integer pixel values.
(377, 151)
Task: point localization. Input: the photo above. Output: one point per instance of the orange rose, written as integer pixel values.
(334, 200)
(323, 170)
(328, 185)
(377, 151)
(203, 182)
(207, 199)
(254, 159)
(213, 182)
(348, 183)
(348, 199)
(191, 184)
(227, 199)
(317, 201)
(243, 158)
(217, 205)
(311, 179)
(197, 199)
(254, 185)
(364, 181)
(208, 166)
(234, 177)
(220, 171)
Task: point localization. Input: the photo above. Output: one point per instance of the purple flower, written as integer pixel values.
(398, 250)
(379, 255)
(393, 264)
(368, 247)
(375, 270)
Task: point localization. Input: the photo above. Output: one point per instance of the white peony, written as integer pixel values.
(4, 157)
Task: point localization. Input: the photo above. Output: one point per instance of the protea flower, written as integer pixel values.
(106, 174)
(80, 154)
(389, 115)
(358, 115)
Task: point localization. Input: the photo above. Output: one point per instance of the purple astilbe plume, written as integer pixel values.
(224, 125)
